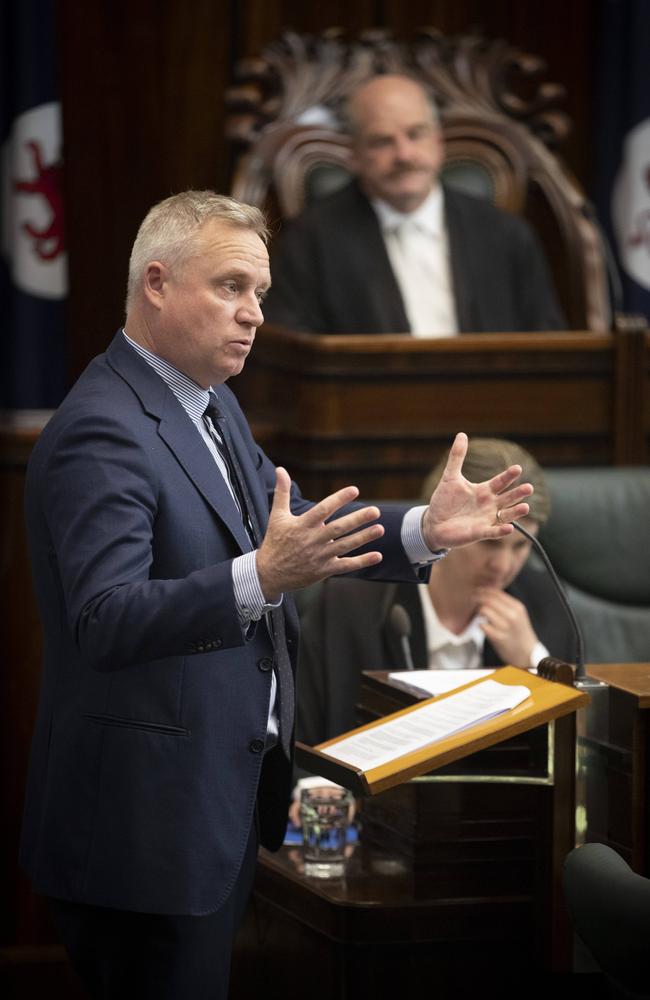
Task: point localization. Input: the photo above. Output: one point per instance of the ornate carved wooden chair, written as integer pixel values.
(283, 116)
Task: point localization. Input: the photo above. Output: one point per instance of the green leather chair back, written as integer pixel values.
(598, 538)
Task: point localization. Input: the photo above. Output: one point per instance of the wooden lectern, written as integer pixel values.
(457, 871)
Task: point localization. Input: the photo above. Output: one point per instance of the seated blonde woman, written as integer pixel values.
(485, 605)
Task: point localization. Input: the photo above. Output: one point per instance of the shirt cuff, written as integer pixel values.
(417, 550)
(538, 653)
(247, 590)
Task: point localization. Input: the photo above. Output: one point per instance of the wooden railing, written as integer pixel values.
(378, 410)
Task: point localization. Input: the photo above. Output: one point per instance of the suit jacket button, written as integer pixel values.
(265, 664)
(256, 746)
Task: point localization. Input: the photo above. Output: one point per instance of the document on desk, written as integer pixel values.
(428, 724)
(434, 682)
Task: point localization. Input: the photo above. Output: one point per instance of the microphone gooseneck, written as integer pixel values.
(580, 646)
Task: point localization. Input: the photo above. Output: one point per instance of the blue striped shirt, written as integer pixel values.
(194, 400)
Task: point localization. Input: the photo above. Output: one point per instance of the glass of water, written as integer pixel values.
(325, 814)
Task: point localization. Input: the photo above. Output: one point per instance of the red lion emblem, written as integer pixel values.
(48, 242)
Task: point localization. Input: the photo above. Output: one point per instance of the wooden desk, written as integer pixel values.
(613, 758)
(382, 931)
(463, 862)
(379, 410)
(483, 812)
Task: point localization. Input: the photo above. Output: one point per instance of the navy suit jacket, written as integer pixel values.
(146, 758)
(331, 272)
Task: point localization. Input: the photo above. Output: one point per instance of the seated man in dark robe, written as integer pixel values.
(396, 250)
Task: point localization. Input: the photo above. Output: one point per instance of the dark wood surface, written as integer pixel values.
(613, 761)
(384, 929)
(632, 678)
(379, 410)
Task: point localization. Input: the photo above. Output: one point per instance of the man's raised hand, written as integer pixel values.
(461, 512)
(301, 549)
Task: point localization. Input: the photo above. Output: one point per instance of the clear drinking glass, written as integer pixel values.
(325, 814)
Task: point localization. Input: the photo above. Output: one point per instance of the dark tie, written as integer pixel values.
(220, 433)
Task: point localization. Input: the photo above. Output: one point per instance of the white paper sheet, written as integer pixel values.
(434, 682)
(425, 725)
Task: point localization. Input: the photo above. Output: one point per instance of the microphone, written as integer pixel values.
(580, 645)
(400, 623)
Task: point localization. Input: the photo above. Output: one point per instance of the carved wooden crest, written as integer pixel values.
(305, 78)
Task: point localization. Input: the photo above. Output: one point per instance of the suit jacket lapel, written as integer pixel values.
(384, 304)
(463, 272)
(179, 433)
(192, 453)
(252, 480)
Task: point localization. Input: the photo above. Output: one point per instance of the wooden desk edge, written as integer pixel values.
(633, 678)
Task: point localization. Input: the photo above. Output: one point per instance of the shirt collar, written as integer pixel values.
(429, 216)
(191, 396)
(438, 635)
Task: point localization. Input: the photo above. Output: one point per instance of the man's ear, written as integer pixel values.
(156, 277)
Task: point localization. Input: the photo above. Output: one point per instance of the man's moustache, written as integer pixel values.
(411, 169)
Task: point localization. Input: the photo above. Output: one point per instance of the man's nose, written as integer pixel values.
(251, 312)
(403, 149)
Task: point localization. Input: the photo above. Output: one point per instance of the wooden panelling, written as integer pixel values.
(378, 411)
(562, 35)
(142, 86)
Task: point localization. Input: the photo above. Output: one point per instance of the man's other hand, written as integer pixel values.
(303, 549)
(461, 512)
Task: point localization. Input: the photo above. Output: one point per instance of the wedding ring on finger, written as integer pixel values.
(499, 520)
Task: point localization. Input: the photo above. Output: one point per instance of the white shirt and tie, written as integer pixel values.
(418, 249)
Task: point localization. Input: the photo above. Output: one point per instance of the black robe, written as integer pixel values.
(331, 272)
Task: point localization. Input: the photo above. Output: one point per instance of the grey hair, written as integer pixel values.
(346, 114)
(486, 457)
(170, 230)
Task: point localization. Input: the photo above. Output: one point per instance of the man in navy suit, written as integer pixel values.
(164, 547)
